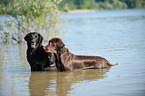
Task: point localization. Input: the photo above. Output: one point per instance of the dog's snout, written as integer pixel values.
(32, 41)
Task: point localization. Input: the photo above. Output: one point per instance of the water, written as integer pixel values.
(119, 36)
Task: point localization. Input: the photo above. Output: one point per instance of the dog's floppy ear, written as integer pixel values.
(27, 37)
(58, 63)
(40, 38)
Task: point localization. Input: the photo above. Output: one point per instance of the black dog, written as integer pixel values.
(37, 57)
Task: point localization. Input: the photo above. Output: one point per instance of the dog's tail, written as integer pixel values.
(111, 64)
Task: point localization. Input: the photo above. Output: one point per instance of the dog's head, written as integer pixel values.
(56, 44)
(33, 39)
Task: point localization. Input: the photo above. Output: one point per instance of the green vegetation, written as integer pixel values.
(24, 16)
(103, 4)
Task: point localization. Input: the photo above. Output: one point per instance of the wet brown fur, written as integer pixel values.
(67, 61)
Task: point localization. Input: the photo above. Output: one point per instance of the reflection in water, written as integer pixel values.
(59, 83)
(40, 81)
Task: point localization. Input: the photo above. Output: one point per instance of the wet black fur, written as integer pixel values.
(38, 59)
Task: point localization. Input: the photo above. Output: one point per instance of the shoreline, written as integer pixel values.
(88, 10)
(81, 11)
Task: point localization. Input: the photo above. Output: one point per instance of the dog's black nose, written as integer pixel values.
(32, 41)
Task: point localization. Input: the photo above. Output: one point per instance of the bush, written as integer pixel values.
(31, 15)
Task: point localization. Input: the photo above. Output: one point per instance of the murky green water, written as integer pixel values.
(119, 36)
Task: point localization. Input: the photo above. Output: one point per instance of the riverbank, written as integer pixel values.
(81, 11)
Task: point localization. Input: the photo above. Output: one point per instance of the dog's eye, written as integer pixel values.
(30, 36)
(53, 45)
(36, 36)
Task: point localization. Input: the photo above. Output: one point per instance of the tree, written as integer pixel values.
(31, 15)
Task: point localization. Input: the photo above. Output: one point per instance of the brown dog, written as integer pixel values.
(66, 61)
